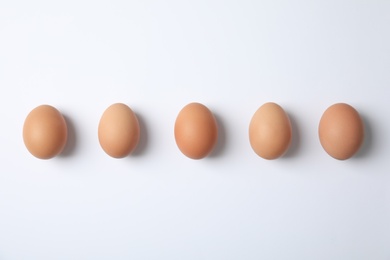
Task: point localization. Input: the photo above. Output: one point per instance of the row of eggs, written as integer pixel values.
(341, 131)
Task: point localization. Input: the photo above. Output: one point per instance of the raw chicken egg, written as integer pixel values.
(118, 130)
(45, 132)
(270, 131)
(196, 131)
(341, 131)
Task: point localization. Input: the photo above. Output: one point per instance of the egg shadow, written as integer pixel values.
(70, 146)
(368, 141)
(143, 138)
(293, 149)
(221, 141)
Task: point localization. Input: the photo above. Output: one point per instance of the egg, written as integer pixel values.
(45, 132)
(341, 131)
(196, 131)
(118, 130)
(270, 131)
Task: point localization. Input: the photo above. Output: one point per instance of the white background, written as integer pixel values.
(157, 56)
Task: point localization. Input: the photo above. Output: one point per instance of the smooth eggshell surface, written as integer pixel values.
(270, 131)
(45, 132)
(341, 131)
(196, 131)
(118, 130)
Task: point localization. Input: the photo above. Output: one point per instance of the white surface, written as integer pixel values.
(157, 56)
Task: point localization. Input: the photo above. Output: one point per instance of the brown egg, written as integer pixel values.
(196, 131)
(270, 131)
(45, 132)
(341, 131)
(118, 130)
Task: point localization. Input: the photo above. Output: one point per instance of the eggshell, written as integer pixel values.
(270, 131)
(341, 131)
(118, 130)
(45, 132)
(196, 131)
